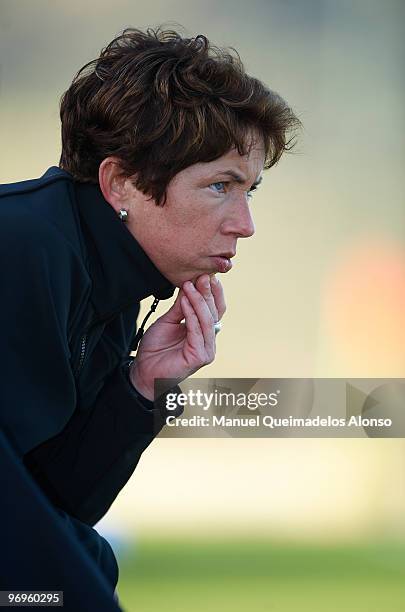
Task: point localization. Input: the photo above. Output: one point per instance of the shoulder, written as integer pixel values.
(41, 252)
(38, 237)
(54, 176)
(34, 254)
(39, 267)
(22, 232)
(36, 215)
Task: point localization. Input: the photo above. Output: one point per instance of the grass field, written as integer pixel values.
(261, 576)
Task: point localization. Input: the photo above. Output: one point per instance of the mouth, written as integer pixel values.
(227, 255)
(223, 261)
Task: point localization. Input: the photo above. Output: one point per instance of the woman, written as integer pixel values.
(164, 140)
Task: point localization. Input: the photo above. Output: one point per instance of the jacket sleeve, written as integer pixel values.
(80, 459)
(83, 468)
(42, 550)
(37, 273)
(37, 400)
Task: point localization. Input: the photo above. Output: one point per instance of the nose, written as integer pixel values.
(239, 222)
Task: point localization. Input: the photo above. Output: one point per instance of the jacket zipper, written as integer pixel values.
(83, 342)
(84, 338)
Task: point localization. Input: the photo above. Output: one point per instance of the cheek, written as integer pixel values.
(194, 219)
(191, 207)
(191, 215)
(195, 240)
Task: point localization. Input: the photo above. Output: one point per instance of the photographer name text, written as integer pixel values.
(274, 422)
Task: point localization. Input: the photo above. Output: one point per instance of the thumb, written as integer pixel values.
(175, 313)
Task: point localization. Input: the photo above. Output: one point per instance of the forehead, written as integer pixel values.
(249, 165)
(252, 161)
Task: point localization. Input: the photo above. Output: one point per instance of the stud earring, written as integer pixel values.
(123, 215)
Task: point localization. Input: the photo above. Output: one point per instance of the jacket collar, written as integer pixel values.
(121, 272)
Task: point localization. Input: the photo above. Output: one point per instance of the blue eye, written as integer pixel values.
(221, 188)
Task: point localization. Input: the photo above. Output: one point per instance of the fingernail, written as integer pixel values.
(214, 280)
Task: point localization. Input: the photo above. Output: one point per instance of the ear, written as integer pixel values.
(113, 184)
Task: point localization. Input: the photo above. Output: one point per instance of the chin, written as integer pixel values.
(192, 276)
(209, 268)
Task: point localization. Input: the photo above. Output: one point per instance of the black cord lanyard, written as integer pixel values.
(141, 330)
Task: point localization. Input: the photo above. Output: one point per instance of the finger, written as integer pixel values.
(194, 333)
(218, 295)
(175, 312)
(203, 285)
(204, 315)
(195, 354)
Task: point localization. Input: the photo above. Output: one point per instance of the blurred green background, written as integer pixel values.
(283, 525)
(263, 576)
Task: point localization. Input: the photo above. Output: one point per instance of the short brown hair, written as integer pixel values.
(160, 103)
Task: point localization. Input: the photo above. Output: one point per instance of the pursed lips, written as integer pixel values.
(227, 254)
(223, 261)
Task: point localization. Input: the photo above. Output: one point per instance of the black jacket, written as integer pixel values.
(72, 278)
(40, 552)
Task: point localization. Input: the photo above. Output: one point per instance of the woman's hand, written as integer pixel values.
(174, 349)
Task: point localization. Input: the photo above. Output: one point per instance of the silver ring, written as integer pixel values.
(217, 327)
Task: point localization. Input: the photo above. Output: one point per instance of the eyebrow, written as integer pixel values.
(238, 178)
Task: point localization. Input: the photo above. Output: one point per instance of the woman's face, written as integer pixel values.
(206, 211)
